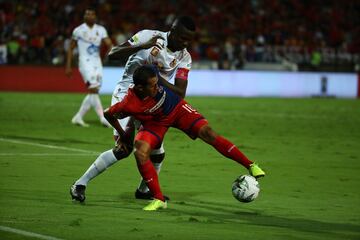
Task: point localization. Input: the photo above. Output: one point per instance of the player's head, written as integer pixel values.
(90, 15)
(146, 81)
(182, 33)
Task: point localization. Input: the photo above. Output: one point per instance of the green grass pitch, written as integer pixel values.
(310, 149)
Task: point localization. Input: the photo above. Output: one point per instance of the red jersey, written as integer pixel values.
(158, 113)
(156, 108)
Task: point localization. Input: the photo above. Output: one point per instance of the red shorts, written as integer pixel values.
(183, 117)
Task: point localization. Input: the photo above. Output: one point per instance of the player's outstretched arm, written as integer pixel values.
(124, 50)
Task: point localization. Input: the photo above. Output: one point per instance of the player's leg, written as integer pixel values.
(144, 142)
(95, 98)
(195, 125)
(104, 161)
(86, 103)
(150, 137)
(157, 156)
(228, 149)
(84, 108)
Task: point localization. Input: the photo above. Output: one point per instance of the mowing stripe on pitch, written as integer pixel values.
(48, 146)
(28, 234)
(273, 115)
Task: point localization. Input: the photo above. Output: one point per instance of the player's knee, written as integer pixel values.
(140, 155)
(141, 152)
(122, 151)
(94, 90)
(207, 134)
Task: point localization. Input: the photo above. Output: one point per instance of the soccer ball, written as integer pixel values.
(245, 188)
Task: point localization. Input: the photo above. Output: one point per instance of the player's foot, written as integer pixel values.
(147, 195)
(155, 204)
(105, 123)
(78, 121)
(256, 171)
(77, 192)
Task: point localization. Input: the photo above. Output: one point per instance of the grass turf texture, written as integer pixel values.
(310, 149)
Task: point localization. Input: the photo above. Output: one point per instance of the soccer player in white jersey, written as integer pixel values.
(166, 50)
(88, 37)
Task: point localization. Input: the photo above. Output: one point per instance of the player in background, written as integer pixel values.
(158, 108)
(88, 37)
(166, 50)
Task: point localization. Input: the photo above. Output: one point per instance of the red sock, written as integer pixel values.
(150, 176)
(229, 150)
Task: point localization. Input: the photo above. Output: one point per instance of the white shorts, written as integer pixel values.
(92, 75)
(117, 96)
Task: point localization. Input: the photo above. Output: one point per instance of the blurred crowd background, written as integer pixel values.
(232, 34)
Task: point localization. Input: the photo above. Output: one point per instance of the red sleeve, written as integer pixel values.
(182, 73)
(120, 109)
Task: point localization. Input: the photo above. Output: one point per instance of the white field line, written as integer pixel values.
(28, 234)
(47, 154)
(48, 146)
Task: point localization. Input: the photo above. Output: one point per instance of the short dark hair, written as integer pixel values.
(143, 73)
(91, 8)
(186, 22)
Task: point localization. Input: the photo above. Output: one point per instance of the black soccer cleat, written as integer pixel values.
(147, 195)
(77, 192)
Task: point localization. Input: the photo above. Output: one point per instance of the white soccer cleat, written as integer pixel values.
(78, 121)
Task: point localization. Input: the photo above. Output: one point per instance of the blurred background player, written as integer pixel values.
(166, 50)
(158, 108)
(88, 37)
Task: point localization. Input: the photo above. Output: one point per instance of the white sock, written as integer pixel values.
(142, 186)
(103, 161)
(85, 106)
(96, 103)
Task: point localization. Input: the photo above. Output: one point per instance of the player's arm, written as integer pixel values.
(124, 50)
(69, 56)
(179, 87)
(108, 45)
(181, 80)
(112, 115)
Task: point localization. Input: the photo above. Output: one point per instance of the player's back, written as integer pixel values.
(149, 108)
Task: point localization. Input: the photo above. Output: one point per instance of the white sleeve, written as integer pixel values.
(142, 37)
(185, 61)
(104, 33)
(75, 34)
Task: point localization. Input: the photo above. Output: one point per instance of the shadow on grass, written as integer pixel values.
(198, 212)
(215, 212)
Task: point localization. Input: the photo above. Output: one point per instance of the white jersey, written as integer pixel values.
(169, 63)
(89, 41)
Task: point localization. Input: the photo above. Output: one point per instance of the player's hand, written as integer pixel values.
(68, 72)
(123, 147)
(157, 41)
(114, 50)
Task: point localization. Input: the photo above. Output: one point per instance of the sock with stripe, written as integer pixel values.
(229, 150)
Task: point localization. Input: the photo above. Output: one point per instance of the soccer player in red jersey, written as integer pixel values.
(158, 108)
